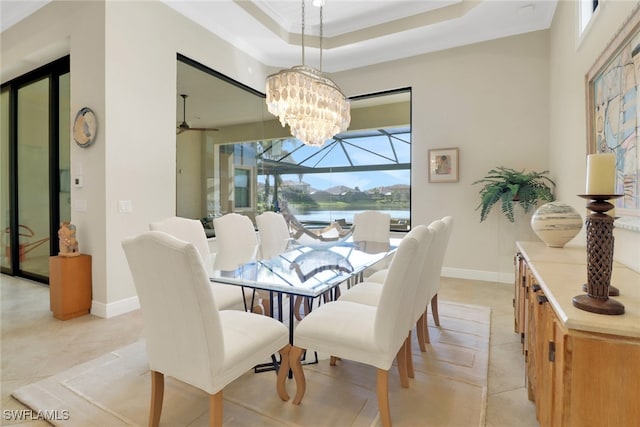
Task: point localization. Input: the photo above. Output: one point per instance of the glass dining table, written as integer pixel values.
(308, 271)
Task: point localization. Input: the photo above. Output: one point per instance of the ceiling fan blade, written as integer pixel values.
(181, 129)
(204, 129)
(184, 126)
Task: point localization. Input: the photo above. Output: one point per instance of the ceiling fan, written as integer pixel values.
(184, 126)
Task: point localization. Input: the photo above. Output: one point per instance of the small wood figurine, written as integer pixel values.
(68, 242)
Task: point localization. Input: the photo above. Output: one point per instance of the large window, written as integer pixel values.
(355, 171)
(242, 188)
(248, 163)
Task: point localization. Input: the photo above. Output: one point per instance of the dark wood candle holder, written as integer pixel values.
(613, 291)
(599, 257)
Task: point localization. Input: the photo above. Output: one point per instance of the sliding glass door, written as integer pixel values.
(34, 160)
(33, 177)
(5, 260)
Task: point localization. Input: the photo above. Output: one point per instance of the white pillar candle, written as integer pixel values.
(601, 173)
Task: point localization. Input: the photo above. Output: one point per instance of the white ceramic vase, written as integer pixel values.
(556, 223)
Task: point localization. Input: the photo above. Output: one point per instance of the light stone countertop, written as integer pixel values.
(561, 272)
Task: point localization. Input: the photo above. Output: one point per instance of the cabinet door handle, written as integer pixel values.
(541, 299)
(552, 351)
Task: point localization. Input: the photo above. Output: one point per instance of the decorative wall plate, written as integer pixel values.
(85, 127)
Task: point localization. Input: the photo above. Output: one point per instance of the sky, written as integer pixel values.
(364, 151)
(363, 180)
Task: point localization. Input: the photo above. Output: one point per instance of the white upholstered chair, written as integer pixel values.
(237, 241)
(429, 282)
(228, 297)
(192, 340)
(370, 292)
(376, 334)
(448, 223)
(274, 239)
(371, 226)
(436, 273)
(238, 244)
(274, 234)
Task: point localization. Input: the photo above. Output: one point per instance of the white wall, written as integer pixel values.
(570, 60)
(87, 40)
(490, 100)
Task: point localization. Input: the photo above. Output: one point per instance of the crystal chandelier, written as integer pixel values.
(311, 104)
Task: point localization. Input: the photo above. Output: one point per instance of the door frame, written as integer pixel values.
(52, 71)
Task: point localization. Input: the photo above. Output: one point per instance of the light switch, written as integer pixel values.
(125, 206)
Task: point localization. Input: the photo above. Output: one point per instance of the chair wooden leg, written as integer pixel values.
(266, 304)
(157, 394)
(215, 409)
(263, 306)
(296, 306)
(420, 333)
(401, 359)
(283, 372)
(383, 397)
(298, 374)
(434, 310)
(427, 339)
(409, 356)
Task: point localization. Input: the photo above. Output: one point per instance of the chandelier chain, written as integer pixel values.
(321, 38)
(302, 32)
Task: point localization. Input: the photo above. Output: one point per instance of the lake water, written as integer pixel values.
(330, 216)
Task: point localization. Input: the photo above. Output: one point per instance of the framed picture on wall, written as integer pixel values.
(443, 165)
(613, 112)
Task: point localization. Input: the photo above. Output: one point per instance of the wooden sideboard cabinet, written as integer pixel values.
(70, 286)
(582, 369)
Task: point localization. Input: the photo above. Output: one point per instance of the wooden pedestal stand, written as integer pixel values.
(599, 258)
(70, 286)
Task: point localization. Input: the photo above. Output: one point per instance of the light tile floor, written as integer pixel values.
(34, 345)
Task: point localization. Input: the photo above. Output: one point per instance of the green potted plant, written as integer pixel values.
(508, 186)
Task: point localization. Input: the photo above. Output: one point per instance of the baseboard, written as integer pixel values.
(485, 276)
(115, 308)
